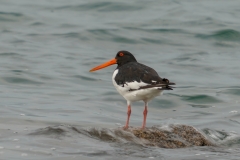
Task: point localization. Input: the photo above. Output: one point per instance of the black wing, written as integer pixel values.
(134, 71)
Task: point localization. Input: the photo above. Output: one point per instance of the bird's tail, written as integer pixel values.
(167, 85)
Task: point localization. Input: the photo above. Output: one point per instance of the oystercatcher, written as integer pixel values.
(135, 81)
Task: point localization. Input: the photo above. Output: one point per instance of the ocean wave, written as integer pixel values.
(222, 35)
(102, 7)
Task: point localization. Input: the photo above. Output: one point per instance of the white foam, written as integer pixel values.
(234, 111)
(24, 154)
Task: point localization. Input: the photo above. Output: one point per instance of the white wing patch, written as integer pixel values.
(135, 85)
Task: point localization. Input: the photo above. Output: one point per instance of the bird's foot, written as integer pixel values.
(125, 127)
(142, 128)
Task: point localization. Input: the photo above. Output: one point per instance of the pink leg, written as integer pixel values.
(128, 113)
(144, 116)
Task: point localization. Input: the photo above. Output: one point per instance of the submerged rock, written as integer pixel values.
(176, 136)
(169, 136)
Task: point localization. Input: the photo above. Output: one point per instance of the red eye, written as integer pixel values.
(121, 54)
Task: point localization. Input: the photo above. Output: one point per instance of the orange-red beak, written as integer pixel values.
(106, 64)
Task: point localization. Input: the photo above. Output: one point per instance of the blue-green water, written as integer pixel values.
(48, 47)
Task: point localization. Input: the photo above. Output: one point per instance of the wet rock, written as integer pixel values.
(176, 136)
(168, 136)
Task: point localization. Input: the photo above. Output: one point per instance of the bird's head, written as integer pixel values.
(121, 58)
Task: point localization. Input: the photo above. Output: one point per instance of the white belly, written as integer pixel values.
(137, 95)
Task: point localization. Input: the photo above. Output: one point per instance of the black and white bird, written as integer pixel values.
(135, 81)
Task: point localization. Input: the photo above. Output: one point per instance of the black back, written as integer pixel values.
(129, 70)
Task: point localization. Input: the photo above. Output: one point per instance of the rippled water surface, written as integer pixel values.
(52, 107)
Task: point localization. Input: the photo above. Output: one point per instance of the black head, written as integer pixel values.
(121, 58)
(124, 57)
